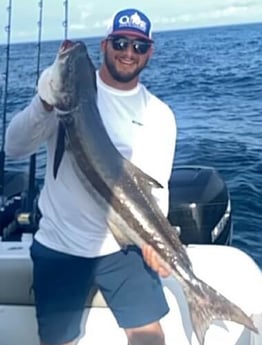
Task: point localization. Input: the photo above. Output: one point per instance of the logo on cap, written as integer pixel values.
(133, 21)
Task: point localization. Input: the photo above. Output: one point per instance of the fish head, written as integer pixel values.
(73, 76)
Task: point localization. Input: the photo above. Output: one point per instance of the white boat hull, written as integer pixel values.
(227, 269)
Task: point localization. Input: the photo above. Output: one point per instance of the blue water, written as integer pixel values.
(212, 79)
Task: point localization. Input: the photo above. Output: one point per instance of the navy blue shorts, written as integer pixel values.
(62, 282)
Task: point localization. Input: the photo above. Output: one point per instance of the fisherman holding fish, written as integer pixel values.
(73, 248)
(110, 149)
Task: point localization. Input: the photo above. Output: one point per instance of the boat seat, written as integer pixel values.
(16, 277)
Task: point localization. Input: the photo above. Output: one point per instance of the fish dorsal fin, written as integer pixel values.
(150, 181)
(142, 178)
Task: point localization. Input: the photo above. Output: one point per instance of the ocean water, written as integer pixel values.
(212, 79)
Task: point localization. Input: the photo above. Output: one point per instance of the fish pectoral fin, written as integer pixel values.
(60, 149)
(148, 180)
(120, 238)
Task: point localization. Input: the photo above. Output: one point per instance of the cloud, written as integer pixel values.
(235, 10)
(77, 27)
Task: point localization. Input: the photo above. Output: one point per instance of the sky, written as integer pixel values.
(90, 18)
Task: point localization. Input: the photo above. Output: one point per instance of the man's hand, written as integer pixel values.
(44, 89)
(154, 261)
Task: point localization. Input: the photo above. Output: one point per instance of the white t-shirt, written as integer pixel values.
(141, 127)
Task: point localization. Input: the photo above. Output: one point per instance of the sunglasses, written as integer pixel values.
(139, 46)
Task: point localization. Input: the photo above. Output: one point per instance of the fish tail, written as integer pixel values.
(206, 304)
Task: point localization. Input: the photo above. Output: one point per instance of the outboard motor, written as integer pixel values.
(200, 206)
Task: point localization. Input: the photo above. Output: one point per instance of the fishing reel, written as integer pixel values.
(19, 212)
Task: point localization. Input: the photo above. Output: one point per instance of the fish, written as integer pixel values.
(121, 189)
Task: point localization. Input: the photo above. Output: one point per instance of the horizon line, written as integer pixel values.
(208, 26)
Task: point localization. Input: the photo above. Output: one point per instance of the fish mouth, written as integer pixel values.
(67, 46)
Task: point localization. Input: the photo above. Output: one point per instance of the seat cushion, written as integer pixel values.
(16, 277)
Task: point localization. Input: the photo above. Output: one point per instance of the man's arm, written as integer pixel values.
(28, 129)
(32, 126)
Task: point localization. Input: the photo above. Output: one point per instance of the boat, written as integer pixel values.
(200, 211)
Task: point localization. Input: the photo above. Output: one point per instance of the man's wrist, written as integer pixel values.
(46, 106)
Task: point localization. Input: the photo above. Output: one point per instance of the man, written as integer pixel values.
(73, 248)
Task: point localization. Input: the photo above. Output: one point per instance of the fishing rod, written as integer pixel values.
(29, 203)
(28, 215)
(31, 191)
(4, 96)
(65, 22)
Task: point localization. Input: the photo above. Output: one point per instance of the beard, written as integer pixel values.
(119, 76)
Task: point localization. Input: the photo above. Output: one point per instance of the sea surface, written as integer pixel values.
(212, 79)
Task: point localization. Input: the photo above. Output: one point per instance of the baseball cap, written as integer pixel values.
(130, 22)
